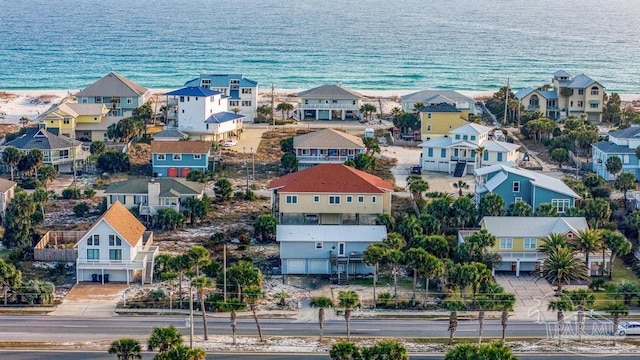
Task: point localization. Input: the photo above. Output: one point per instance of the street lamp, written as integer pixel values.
(253, 166)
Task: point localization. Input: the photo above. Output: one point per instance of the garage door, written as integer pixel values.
(318, 266)
(295, 266)
(429, 165)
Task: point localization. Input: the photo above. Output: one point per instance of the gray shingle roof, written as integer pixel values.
(170, 134)
(610, 148)
(424, 96)
(113, 85)
(140, 186)
(330, 92)
(328, 138)
(6, 185)
(471, 128)
(441, 107)
(41, 139)
(630, 132)
(537, 179)
(530, 226)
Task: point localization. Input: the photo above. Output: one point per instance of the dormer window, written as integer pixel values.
(595, 90)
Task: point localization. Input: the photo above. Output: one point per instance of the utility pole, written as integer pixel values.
(246, 166)
(224, 271)
(506, 103)
(190, 317)
(253, 166)
(273, 118)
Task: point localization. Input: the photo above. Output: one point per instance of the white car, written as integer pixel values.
(230, 143)
(629, 328)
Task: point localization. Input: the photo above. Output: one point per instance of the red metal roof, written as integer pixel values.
(331, 178)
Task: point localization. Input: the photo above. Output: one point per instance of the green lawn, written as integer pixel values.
(620, 273)
(4, 254)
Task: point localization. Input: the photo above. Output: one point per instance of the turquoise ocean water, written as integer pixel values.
(365, 44)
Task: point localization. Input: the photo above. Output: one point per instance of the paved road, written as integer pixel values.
(47, 328)
(87, 355)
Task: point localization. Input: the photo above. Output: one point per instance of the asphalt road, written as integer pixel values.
(47, 328)
(86, 355)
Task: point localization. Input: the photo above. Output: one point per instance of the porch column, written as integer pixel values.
(343, 114)
(144, 270)
(128, 276)
(102, 279)
(78, 271)
(152, 266)
(317, 112)
(517, 267)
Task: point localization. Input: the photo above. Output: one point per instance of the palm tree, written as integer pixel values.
(284, 107)
(36, 157)
(415, 258)
(432, 268)
(164, 339)
(482, 303)
(505, 301)
(617, 310)
(196, 354)
(395, 258)
(581, 299)
(417, 185)
(243, 274)
(453, 305)
(348, 300)
(11, 156)
(480, 150)
(460, 185)
(589, 241)
(373, 255)
(344, 350)
(126, 349)
(554, 241)
(181, 263)
(560, 306)
(617, 245)
(203, 283)
(199, 256)
(47, 173)
(252, 296)
(561, 266)
(321, 302)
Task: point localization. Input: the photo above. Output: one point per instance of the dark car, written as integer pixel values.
(416, 170)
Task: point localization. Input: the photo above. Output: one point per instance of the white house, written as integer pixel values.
(329, 102)
(116, 248)
(242, 92)
(435, 97)
(457, 153)
(202, 114)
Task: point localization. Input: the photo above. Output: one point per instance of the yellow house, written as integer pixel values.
(438, 120)
(518, 240)
(82, 121)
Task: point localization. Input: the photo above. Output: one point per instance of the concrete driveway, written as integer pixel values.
(91, 300)
(532, 296)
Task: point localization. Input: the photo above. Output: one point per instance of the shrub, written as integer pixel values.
(71, 193)
(157, 295)
(29, 183)
(89, 193)
(113, 162)
(601, 192)
(597, 284)
(81, 209)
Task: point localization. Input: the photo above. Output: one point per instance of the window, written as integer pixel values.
(429, 127)
(595, 90)
(530, 243)
(571, 103)
(334, 200)
(129, 100)
(625, 159)
(316, 198)
(428, 115)
(197, 156)
(334, 101)
(140, 199)
(84, 100)
(506, 243)
(234, 103)
(499, 156)
(374, 199)
(473, 137)
(517, 198)
(98, 99)
(516, 186)
(246, 103)
(181, 98)
(580, 103)
(580, 91)
(457, 137)
(360, 199)
(593, 105)
(115, 240)
(115, 254)
(430, 152)
(177, 156)
(561, 204)
(93, 240)
(485, 157)
(292, 199)
(349, 199)
(66, 121)
(160, 156)
(93, 254)
(319, 245)
(465, 137)
(443, 153)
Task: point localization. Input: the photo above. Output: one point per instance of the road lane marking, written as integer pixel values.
(75, 326)
(273, 329)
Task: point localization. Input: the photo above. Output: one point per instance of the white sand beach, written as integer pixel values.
(15, 104)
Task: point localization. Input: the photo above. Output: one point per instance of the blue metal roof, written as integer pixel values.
(524, 92)
(442, 107)
(193, 91)
(608, 147)
(561, 73)
(581, 81)
(222, 80)
(630, 132)
(548, 94)
(223, 116)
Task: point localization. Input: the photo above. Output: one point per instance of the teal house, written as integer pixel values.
(179, 158)
(515, 184)
(119, 94)
(623, 144)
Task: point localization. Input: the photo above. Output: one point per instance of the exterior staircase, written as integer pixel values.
(461, 166)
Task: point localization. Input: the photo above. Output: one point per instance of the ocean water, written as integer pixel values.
(365, 44)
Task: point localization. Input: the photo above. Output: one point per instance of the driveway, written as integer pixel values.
(92, 300)
(532, 296)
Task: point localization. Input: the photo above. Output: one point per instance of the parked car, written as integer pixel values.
(230, 143)
(629, 328)
(416, 170)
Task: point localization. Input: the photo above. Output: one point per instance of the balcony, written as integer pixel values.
(533, 107)
(465, 159)
(112, 264)
(330, 106)
(153, 209)
(321, 159)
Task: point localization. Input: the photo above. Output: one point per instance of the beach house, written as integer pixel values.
(179, 158)
(329, 102)
(515, 184)
(327, 146)
(567, 96)
(438, 120)
(623, 144)
(119, 94)
(518, 241)
(327, 218)
(116, 248)
(466, 149)
(151, 195)
(202, 114)
(7, 192)
(84, 122)
(242, 92)
(435, 97)
(58, 151)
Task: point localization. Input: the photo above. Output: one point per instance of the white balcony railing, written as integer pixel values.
(153, 209)
(323, 158)
(324, 106)
(111, 264)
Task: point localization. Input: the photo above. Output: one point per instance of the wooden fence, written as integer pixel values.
(57, 246)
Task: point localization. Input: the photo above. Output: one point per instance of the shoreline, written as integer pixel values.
(15, 104)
